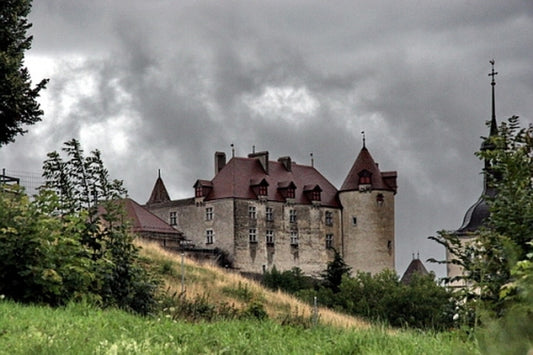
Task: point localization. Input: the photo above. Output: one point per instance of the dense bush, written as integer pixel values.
(382, 297)
(290, 281)
(72, 240)
(41, 256)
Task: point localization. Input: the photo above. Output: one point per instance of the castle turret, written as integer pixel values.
(367, 199)
(159, 192)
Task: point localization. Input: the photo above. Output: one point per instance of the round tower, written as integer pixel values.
(367, 199)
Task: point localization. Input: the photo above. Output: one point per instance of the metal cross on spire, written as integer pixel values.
(493, 124)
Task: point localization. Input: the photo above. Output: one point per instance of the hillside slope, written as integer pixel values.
(227, 287)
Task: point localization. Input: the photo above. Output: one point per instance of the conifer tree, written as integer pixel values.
(18, 100)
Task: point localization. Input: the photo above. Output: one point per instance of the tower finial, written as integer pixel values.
(232, 150)
(312, 159)
(159, 173)
(493, 124)
(364, 139)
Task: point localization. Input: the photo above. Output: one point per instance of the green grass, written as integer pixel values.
(81, 329)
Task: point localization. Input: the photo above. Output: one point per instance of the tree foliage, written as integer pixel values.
(18, 105)
(72, 241)
(41, 257)
(83, 186)
(491, 253)
(335, 271)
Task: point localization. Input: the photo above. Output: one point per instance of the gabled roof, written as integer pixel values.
(159, 192)
(415, 268)
(365, 162)
(234, 181)
(144, 221)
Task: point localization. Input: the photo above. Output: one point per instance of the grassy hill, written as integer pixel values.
(229, 288)
(83, 329)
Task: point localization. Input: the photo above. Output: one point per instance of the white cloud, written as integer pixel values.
(288, 103)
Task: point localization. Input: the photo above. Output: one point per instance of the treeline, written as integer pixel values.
(421, 303)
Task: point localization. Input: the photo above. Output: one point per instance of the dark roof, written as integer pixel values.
(145, 221)
(238, 176)
(475, 217)
(415, 267)
(380, 181)
(159, 192)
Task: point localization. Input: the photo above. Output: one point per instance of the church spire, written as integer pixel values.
(493, 124)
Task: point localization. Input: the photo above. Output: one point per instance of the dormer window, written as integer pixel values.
(260, 188)
(365, 177)
(287, 189)
(291, 192)
(198, 192)
(202, 188)
(312, 192)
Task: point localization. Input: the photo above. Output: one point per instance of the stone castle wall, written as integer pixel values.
(368, 229)
(311, 254)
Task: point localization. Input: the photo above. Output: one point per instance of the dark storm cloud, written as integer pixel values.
(182, 79)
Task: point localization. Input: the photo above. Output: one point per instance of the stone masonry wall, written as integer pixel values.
(368, 240)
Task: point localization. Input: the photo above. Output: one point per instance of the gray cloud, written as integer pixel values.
(178, 79)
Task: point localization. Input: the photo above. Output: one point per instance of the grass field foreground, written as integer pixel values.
(82, 329)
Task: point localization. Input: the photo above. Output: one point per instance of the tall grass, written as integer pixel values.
(224, 287)
(81, 329)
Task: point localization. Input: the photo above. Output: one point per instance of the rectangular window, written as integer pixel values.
(209, 213)
(329, 241)
(329, 218)
(270, 237)
(252, 235)
(198, 191)
(173, 219)
(252, 214)
(292, 216)
(290, 193)
(294, 239)
(269, 214)
(209, 236)
(263, 190)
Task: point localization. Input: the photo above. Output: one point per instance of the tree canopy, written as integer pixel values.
(505, 241)
(18, 99)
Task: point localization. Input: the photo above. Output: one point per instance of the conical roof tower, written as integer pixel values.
(159, 192)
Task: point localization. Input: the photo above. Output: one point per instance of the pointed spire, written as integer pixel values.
(159, 192)
(493, 124)
(365, 165)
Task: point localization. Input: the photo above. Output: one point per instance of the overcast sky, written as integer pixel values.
(164, 84)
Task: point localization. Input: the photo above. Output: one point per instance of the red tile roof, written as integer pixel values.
(159, 192)
(238, 176)
(145, 221)
(379, 180)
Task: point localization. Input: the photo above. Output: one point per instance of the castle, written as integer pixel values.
(263, 214)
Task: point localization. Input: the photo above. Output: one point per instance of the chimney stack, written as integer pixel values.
(262, 157)
(220, 161)
(286, 161)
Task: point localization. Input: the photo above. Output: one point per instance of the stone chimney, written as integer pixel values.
(263, 159)
(220, 161)
(286, 161)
